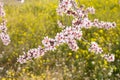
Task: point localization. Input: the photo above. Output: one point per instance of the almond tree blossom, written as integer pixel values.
(49, 43)
(3, 35)
(95, 48)
(60, 24)
(67, 35)
(21, 1)
(64, 6)
(70, 34)
(110, 57)
(32, 53)
(5, 38)
(2, 13)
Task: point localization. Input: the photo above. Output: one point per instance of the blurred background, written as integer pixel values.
(29, 22)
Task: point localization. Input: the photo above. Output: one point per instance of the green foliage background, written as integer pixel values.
(30, 22)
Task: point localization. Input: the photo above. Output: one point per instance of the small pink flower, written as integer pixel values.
(3, 27)
(5, 38)
(64, 6)
(90, 10)
(60, 24)
(95, 48)
(2, 13)
(49, 43)
(110, 58)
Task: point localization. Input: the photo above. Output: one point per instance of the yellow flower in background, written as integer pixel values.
(77, 56)
(43, 76)
(93, 39)
(105, 62)
(23, 70)
(4, 79)
(10, 79)
(70, 54)
(32, 75)
(101, 31)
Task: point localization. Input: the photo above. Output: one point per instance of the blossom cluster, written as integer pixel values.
(98, 50)
(95, 48)
(109, 57)
(86, 23)
(2, 13)
(81, 20)
(60, 24)
(64, 6)
(69, 34)
(32, 53)
(3, 35)
(102, 24)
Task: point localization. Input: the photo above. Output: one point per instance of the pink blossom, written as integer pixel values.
(3, 35)
(64, 6)
(90, 10)
(110, 57)
(95, 48)
(2, 13)
(49, 43)
(21, 59)
(102, 24)
(73, 45)
(3, 27)
(5, 38)
(32, 53)
(82, 23)
(60, 24)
